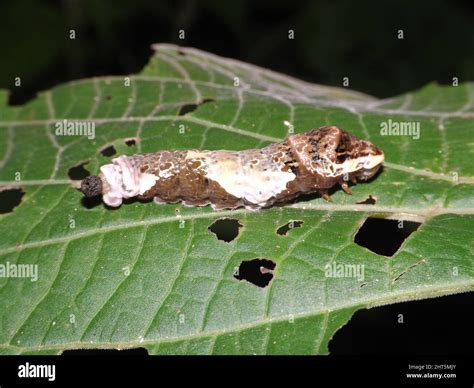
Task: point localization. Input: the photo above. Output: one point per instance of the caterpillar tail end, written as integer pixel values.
(91, 186)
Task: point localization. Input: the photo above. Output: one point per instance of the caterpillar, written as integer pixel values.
(304, 163)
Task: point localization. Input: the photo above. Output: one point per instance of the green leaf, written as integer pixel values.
(146, 276)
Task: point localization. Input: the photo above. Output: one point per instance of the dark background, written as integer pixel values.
(333, 39)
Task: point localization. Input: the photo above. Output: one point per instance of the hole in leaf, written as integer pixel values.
(257, 271)
(78, 172)
(108, 150)
(108, 97)
(105, 352)
(370, 200)
(225, 229)
(10, 199)
(383, 236)
(188, 108)
(284, 229)
(130, 142)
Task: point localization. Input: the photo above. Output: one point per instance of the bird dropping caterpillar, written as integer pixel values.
(304, 163)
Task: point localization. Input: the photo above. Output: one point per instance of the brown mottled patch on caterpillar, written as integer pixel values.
(305, 163)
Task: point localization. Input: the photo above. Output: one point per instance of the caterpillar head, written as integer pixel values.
(339, 153)
(362, 158)
(372, 159)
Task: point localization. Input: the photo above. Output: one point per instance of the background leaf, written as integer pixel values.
(145, 275)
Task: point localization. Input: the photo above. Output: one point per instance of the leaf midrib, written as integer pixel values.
(423, 212)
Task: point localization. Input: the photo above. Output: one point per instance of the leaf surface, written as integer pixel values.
(146, 276)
